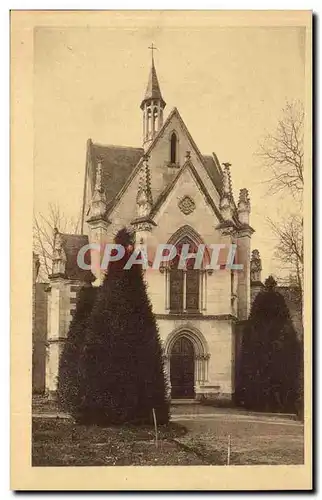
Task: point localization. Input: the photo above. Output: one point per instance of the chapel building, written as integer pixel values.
(168, 191)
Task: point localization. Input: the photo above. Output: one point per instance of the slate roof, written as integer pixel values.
(118, 162)
(214, 170)
(72, 243)
(153, 88)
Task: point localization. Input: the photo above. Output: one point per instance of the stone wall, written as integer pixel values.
(214, 346)
(39, 336)
(61, 304)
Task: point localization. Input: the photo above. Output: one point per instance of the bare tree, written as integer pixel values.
(43, 236)
(282, 153)
(289, 249)
(283, 156)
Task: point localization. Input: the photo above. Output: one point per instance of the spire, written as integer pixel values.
(98, 203)
(152, 106)
(244, 206)
(226, 202)
(153, 88)
(144, 195)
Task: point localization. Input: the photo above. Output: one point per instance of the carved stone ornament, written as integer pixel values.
(143, 226)
(187, 205)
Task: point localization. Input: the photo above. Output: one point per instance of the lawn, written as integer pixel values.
(252, 443)
(197, 441)
(61, 442)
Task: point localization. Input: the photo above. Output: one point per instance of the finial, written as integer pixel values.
(227, 185)
(144, 195)
(188, 155)
(243, 207)
(226, 202)
(98, 182)
(244, 200)
(98, 202)
(152, 48)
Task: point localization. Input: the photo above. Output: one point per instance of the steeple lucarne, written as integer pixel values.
(152, 106)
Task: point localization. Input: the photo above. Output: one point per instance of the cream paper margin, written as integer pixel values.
(23, 476)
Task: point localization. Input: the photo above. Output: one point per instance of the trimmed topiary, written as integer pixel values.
(122, 362)
(271, 355)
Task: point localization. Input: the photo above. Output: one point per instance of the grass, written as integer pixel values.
(251, 444)
(58, 442)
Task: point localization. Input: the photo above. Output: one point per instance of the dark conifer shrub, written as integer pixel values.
(122, 364)
(271, 359)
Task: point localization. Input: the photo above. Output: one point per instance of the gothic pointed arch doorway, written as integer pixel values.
(182, 369)
(186, 361)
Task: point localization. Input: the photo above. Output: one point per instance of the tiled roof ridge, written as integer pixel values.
(116, 146)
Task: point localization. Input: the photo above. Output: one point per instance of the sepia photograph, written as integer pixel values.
(169, 186)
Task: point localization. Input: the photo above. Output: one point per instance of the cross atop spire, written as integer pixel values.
(153, 88)
(152, 106)
(152, 48)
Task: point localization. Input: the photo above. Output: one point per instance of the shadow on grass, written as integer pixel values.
(58, 442)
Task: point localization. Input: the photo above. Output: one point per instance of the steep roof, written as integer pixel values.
(153, 88)
(72, 243)
(213, 170)
(118, 162)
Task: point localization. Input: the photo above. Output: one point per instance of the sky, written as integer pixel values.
(228, 83)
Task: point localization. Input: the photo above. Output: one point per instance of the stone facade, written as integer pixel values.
(61, 304)
(39, 330)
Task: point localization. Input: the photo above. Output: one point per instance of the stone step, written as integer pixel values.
(184, 402)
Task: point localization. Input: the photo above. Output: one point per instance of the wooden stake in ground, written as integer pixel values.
(155, 427)
(228, 450)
